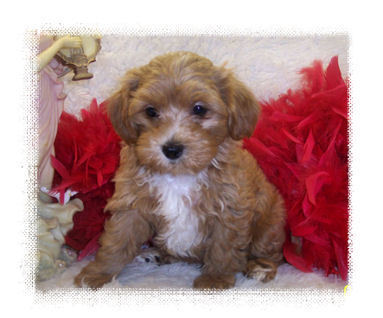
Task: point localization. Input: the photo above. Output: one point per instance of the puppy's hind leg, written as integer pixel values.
(268, 237)
(156, 256)
(261, 269)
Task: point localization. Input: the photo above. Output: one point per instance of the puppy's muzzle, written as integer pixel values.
(172, 150)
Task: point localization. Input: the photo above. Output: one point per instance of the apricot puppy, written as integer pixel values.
(184, 178)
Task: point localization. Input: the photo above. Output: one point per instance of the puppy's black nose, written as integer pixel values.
(172, 150)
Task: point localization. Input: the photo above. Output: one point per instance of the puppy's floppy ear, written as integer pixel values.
(243, 108)
(118, 108)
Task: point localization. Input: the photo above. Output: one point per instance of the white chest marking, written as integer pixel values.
(175, 196)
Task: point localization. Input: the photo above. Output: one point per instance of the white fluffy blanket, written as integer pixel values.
(140, 274)
(268, 65)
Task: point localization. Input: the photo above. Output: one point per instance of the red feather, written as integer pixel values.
(87, 156)
(301, 143)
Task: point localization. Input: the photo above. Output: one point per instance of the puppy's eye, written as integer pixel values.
(199, 109)
(151, 111)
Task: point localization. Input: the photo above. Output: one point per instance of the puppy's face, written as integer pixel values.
(178, 109)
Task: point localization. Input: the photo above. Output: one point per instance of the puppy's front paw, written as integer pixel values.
(92, 279)
(206, 281)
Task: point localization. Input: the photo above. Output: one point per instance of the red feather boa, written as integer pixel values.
(301, 143)
(87, 156)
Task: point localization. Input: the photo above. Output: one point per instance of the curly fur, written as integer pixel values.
(213, 204)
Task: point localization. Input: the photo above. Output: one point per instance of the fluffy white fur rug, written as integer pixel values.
(268, 65)
(140, 274)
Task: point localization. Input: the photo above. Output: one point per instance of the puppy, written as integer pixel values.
(184, 178)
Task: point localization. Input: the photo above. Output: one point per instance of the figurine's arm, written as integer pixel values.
(65, 42)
